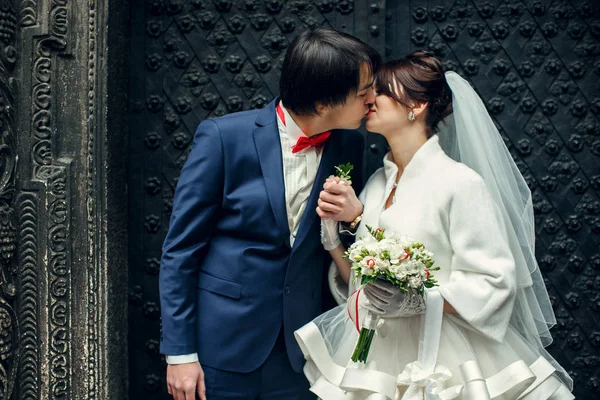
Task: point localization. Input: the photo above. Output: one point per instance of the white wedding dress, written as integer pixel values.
(477, 354)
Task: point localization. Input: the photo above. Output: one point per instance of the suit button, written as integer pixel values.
(287, 290)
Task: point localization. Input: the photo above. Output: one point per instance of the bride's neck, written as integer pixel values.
(405, 144)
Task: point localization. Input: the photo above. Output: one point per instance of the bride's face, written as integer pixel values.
(386, 115)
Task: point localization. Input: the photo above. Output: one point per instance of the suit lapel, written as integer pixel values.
(326, 167)
(268, 148)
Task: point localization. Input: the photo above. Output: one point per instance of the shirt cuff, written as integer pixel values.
(182, 359)
(344, 229)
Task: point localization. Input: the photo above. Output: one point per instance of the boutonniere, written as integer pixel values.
(343, 172)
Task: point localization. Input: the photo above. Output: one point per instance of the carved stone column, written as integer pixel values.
(70, 205)
(9, 328)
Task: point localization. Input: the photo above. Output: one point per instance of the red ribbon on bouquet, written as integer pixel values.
(355, 320)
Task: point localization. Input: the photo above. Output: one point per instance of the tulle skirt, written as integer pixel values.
(468, 366)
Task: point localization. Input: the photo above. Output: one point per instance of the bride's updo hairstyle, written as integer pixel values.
(420, 77)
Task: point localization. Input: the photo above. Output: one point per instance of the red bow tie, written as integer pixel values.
(304, 141)
(315, 141)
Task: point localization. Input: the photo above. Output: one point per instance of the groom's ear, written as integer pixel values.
(321, 108)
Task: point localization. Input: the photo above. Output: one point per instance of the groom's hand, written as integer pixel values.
(184, 380)
(338, 201)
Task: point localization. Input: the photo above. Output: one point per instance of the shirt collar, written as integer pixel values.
(293, 131)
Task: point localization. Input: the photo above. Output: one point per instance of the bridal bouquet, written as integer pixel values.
(396, 258)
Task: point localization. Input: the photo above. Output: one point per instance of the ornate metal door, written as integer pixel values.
(535, 63)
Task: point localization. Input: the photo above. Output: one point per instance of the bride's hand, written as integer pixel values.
(338, 201)
(389, 301)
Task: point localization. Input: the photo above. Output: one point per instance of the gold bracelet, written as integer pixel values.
(356, 221)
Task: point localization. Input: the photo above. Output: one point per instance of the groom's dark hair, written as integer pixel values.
(323, 66)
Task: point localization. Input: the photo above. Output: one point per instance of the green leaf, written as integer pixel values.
(343, 171)
(366, 279)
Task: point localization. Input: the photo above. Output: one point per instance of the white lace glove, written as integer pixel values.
(330, 236)
(388, 301)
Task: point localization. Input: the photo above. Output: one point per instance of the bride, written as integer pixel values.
(450, 183)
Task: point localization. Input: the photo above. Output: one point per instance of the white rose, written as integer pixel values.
(366, 271)
(382, 265)
(401, 275)
(399, 271)
(354, 253)
(415, 281)
(372, 248)
(397, 254)
(369, 241)
(412, 266)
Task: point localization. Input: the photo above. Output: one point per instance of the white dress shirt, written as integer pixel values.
(299, 172)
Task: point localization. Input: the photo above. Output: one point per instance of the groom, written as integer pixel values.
(242, 263)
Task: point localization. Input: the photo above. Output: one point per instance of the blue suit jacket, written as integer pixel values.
(228, 277)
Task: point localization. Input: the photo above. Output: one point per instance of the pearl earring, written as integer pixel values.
(411, 116)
